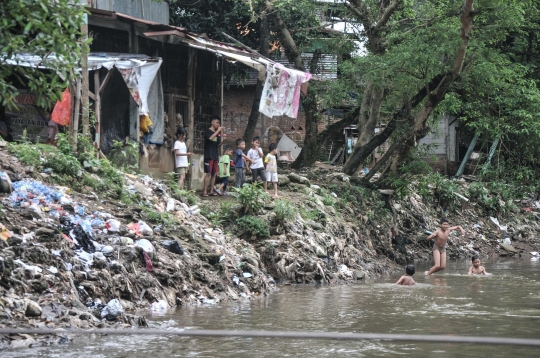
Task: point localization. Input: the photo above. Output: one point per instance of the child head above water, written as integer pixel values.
(410, 270)
(475, 261)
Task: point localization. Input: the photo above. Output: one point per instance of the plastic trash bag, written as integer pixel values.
(145, 229)
(149, 266)
(113, 225)
(112, 310)
(170, 205)
(145, 245)
(160, 305)
(62, 110)
(173, 246)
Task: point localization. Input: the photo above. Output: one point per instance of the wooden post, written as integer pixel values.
(97, 109)
(85, 81)
(191, 94)
(75, 122)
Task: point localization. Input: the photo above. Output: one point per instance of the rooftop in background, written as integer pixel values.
(149, 10)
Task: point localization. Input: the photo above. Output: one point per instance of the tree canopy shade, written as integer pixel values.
(39, 27)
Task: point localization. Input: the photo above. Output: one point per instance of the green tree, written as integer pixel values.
(47, 29)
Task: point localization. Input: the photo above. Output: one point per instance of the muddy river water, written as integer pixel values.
(505, 304)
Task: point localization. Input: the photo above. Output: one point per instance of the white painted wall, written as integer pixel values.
(443, 137)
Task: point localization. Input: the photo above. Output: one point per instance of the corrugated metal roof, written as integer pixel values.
(141, 9)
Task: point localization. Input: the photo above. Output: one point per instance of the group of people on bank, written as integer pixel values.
(218, 169)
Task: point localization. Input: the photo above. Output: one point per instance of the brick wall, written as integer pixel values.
(237, 103)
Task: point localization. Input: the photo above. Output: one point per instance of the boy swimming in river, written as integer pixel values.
(439, 246)
(476, 269)
(407, 280)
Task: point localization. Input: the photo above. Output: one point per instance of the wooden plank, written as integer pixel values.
(97, 109)
(105, 81)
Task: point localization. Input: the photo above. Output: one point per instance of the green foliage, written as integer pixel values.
(445, 191)
(157, 217)
(26, 153)
(495, 198)
(253, 226)
(251, 197)
(212, 216)
(284, 210)
(41, 28)
(125, 155)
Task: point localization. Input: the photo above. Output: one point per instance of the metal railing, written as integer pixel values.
(285, 335)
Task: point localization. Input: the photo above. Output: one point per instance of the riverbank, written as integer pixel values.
(92, 247)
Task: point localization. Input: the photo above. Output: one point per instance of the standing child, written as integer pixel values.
(476, 269)
(439, 246)
(257, 168)
(181, 156)
(240, 163)
(224, 172)
(271, 167)
(407, 280)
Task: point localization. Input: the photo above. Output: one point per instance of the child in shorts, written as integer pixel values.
(407, 280)
(181, 156)
(439, 246)
(476, 269)
(224, 172)
(271, 168)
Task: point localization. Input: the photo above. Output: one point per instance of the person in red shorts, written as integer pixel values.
(213, 138)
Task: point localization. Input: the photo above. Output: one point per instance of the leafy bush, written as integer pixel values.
(28, 154)
(284, 210)
(125, 155)
(250, 197)
(445, 191)
(253, 226)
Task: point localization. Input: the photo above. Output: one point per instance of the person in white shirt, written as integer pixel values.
(181, 156)
(257, 168)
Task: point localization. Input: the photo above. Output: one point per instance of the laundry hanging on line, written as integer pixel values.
(281, 92)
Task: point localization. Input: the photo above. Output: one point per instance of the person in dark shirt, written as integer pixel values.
(213, 138)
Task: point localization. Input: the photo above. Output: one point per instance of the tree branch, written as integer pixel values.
(386, 14)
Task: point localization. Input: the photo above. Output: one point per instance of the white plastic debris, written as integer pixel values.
(534, 253)
(112, 310)
(28, 267)
(507, 241)
(145, 245)
(496, 222)
(113, 225)
(160, 305)
(170, 205)
(247, 274)
(145, 229)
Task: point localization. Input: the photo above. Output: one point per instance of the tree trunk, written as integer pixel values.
(311, 141)
(420, 128)
(263, 50)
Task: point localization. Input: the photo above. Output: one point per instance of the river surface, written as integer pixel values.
(504, 304)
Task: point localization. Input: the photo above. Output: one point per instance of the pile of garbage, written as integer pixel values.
(73, 260)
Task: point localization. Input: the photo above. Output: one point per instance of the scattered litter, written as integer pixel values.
(160, 305)
(145, 245)
(112, 310)
(173, 246)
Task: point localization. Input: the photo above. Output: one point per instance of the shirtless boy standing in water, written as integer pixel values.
(439, 246)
